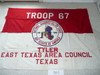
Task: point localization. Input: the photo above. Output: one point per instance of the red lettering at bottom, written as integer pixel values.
(46, 61)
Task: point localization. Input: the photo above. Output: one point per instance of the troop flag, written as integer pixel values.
(42, 39)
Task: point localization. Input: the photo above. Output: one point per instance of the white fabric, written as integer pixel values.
(71, 42)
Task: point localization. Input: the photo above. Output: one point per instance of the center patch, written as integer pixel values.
(47, 33)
